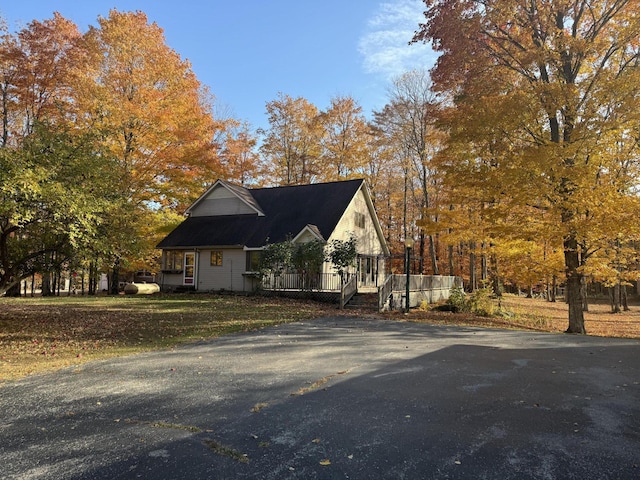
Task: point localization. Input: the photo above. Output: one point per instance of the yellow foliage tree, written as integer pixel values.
(540, 92)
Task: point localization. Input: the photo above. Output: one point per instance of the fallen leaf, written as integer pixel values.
(325, 462)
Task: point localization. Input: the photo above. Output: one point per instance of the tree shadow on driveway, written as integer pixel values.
(337, 398)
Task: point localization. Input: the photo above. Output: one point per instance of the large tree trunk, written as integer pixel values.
(614, 297)
(574, 300)
(46, 284)
(115, 278)
(473, 278)
(623, 298)
(583, 294)
(495, 276)
(434, 257)
(452, 268)
(13, 290)
(421, 253)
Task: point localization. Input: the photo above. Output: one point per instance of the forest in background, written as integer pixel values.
(514, 163)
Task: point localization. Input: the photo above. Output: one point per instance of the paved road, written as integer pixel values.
(336, 398)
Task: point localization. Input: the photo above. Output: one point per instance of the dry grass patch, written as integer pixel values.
(540, 315)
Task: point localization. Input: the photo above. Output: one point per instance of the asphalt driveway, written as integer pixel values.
(336, 398)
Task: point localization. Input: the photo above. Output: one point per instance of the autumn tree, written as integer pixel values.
(291, 146)
(48, 52)
(149, 106)
(403, 200)
(384, 175)
(44, 181)
(238, 154)
(154, 119)
(411, 107)
(8, 75)
(538, 90)
(345, 139)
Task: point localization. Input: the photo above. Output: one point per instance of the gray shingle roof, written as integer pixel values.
(287, 211)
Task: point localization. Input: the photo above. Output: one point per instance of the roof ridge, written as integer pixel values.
(308, 185)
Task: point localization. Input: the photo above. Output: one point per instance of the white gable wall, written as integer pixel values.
(221, 201)
(367, 239)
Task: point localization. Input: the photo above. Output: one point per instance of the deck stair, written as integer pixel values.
(364, 301)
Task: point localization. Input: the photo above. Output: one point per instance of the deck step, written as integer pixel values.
(365, 301)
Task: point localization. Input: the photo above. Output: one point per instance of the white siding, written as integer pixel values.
(221, 201)
(170, 280)
(228, 276)
(367, 240)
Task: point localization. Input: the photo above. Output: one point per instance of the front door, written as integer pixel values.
(366, 271)
(189, 268)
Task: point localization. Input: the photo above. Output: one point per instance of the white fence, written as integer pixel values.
(429, 288)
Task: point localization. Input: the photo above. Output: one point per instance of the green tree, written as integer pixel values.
(307, 259)
(343, 254)
(54, 196)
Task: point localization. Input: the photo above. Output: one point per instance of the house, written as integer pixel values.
(218, 246)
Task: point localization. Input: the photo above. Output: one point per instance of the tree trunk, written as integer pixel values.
(13, 290)
(46, 284)
(614, 297)
(495, 277)
(572, 263)
(92, 282)
(434, 257)
(115, 277)
(473, 281)
(583, 294)
(421, 254)
(484, 265)
(452, 269)
(623, 298)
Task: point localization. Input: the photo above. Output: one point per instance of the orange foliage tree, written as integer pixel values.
(150, 107)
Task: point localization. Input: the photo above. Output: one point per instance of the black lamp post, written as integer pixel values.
(408, 243)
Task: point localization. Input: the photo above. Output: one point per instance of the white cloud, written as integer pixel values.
(385, 45)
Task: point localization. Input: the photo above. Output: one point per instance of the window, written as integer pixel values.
(172, 260)
(253, 260)
(359, 220)
(216, 258)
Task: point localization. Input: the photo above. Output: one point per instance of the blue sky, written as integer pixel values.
(248, 51)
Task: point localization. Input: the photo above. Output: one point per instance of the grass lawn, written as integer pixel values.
(41, 334)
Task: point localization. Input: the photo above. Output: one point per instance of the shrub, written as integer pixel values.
(457, 300)
(481, 302)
